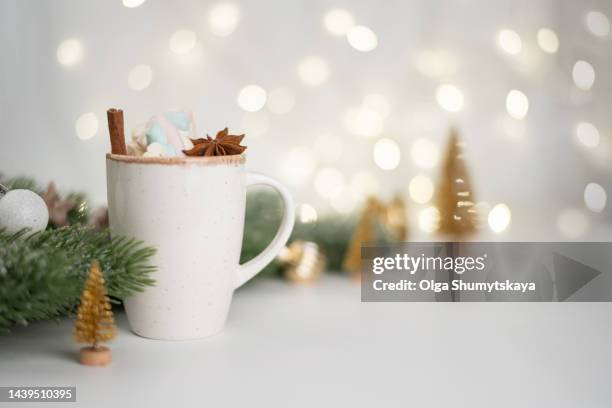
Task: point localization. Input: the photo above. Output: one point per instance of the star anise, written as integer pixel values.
(223, 144)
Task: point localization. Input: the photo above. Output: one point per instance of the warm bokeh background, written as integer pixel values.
(351, 98)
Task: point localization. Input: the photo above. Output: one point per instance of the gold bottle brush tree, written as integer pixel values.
(95, 323)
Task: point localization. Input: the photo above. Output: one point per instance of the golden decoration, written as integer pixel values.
(303, 261)
(393, 220)
(95, 323)
(455, 199)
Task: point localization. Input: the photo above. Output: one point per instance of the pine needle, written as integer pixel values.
(41, 276)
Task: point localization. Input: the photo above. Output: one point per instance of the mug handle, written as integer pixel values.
(251, 268)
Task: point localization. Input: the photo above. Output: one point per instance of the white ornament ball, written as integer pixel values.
(21, 209)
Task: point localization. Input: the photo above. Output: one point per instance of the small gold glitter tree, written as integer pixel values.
(392, 226)
(455, 201)
(458, 217)
(94, 323)
(364, 233)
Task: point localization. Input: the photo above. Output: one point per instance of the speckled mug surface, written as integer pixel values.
(192, 210)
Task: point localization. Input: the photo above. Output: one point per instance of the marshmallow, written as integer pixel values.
(138, 145)
(156, 150)
(170, 132)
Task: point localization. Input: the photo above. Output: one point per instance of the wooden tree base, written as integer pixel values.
(95, 356)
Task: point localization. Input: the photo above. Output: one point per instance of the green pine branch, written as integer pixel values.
(264, 211)
(41, 276)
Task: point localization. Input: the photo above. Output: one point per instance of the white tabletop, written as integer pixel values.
(319, 346)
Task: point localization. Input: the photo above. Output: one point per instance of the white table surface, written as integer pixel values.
(319, 346)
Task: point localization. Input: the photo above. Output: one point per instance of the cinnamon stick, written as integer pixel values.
(115, 128)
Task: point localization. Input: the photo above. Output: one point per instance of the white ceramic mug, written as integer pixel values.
(192, 210)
